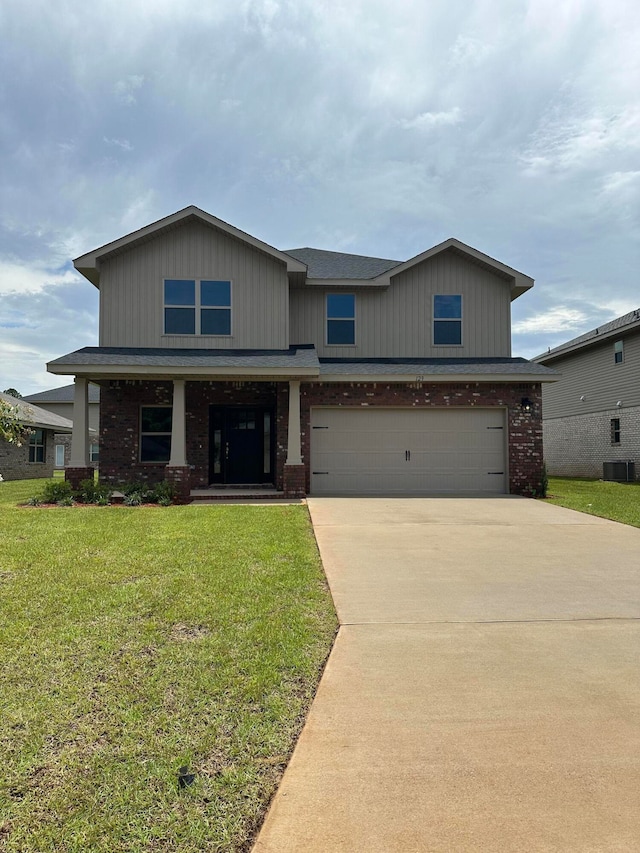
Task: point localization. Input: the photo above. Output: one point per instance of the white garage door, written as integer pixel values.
(408, 451)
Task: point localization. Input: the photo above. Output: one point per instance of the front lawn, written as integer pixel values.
(138, 641)
(617, 501)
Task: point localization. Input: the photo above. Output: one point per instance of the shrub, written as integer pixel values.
(137, 493)
(65, 502)
(91, 492)
(55, 491)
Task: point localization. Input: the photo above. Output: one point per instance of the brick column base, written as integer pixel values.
(76, 475)
(294, 481)
(180, 478)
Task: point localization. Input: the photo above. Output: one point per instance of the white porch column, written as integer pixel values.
(294, 452)
(178, 426)
(80, 434)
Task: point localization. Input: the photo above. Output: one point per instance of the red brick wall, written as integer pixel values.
(525, 430)
(120, 407)
(120, 424)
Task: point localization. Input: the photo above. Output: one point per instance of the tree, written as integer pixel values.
(11, 429)
(13, 393)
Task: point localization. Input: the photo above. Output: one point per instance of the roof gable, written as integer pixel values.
(519, 282)
(89, 264)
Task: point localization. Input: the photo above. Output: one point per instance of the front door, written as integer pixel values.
(241, 444)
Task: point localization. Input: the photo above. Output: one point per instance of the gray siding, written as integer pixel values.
(397, 321)
(131, 291)
(592, 373)
(65, 410)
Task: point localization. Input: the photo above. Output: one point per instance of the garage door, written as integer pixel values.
(408, 451)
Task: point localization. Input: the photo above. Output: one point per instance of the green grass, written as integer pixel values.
(134, 641)
(617, 501)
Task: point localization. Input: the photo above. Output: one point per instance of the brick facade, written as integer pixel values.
(120, 404)
(577, 446)
(14, 461)
(525, 429)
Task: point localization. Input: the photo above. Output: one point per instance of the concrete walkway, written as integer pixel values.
(483, 693)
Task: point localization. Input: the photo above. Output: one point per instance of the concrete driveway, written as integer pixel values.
(483, 693)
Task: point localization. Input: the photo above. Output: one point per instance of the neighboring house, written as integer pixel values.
(60, 402)
(224, 361)
(592, 414)
(35, 456)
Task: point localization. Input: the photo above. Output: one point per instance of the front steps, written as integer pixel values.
(242, 492)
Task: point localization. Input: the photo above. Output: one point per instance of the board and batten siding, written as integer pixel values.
(396, 321)
(593, 374)
(132, 292)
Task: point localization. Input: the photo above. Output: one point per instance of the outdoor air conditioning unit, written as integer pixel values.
(619, 470)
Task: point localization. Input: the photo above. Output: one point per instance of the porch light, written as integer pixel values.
(526, 404)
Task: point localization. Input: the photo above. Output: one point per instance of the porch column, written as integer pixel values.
(294, 472)
(294, 453)
(80, 434)
(178, 427)
(79, 468)
(177, 471)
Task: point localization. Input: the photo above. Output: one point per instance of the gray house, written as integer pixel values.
(224, 361)
(592, 414)
(60, 402)
(35, 457)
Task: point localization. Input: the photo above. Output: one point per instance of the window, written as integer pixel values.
(155, 433)
(615, 430)
(447, 320)
(341, 319)
(36, 446)
(618, 352)
(59, 455)
(94, 453)
(197, 307)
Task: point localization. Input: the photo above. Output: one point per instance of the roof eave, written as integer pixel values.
(518, 378)
(89, 264)
(596, 339)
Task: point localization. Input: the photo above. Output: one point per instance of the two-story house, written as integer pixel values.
(222, 360)
(592, 414)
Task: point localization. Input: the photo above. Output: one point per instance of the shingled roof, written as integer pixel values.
(337, 265)
(626, 322)
(64, 394)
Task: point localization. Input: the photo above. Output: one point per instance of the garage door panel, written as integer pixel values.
(408, 451)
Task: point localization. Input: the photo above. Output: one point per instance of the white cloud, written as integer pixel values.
(429, 120)
(552, 321)
(119, 143)
(16, 277)
(126, 88)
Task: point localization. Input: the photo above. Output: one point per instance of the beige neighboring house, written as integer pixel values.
(60, 402)
(35, 457)
(591, 416)
(223, 361)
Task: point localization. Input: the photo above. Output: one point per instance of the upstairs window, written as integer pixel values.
(447, 320)
(36, 446)
(618, 352)
(341, 319)
(197, 307)
(615, 430)
(155, 433)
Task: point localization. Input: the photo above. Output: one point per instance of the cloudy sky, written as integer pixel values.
(366, 126)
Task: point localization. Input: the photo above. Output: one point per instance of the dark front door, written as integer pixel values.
(241, 444)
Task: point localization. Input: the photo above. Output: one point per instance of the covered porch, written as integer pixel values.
(222, 420)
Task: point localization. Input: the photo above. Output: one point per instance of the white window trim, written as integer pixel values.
(435, 320)
(616, 351)
(353, 319)
(197, 308)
